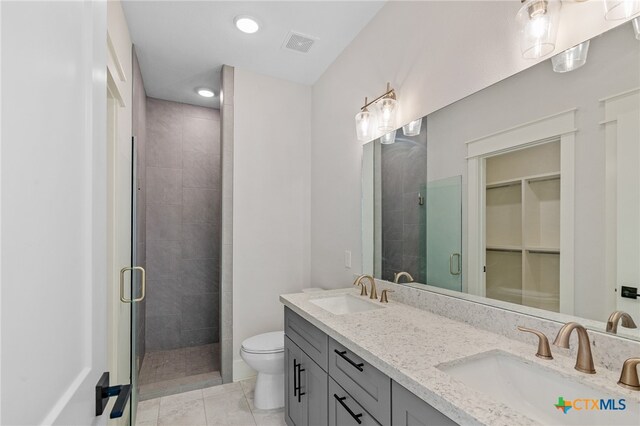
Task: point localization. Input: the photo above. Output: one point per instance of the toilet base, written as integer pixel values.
(269, 391)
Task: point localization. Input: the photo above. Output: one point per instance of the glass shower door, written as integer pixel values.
(138, 236)
(137, 286)
(444, 233)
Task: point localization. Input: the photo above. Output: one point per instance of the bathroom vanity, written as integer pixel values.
(328, 384)
(351, 360)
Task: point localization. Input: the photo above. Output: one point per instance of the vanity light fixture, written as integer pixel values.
(620, 9)
(206, 93)
(538, 23)
(364, 129)
(636, 27)
(246, 24)
(386, 107)
(412, 128)
(388, 138)
(571, 59)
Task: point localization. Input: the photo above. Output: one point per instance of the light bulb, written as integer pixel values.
(538, 26)
(247, 24)
(363, 126)
(386, 114)
(538, 22)
(206, 93)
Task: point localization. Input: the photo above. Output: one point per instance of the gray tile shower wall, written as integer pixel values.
(183, 225)
(403, 175)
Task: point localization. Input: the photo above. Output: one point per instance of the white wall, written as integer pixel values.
(271, 201)
(433, 53)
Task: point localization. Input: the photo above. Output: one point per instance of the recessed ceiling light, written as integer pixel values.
(206, 93)
(246, 24)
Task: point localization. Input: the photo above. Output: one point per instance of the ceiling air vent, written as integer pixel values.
(298, 42)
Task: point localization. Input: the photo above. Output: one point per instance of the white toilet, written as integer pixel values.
(265, 354)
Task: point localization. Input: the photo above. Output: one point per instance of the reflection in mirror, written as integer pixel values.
(524, 195)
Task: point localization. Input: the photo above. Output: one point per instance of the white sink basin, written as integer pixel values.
(345, 304)
(534, 391)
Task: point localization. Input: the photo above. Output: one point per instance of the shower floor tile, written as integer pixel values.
(179, 370)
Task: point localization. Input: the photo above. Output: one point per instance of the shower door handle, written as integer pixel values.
(143, 276)
(458, 270)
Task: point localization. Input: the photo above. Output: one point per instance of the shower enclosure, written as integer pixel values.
(176, 223)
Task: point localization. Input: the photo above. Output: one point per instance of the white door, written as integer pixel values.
(622, 133)
(628, 212)
(53, 211)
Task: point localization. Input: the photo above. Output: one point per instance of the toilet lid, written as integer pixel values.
(265, 343)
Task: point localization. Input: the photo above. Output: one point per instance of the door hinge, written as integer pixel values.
(104, 392)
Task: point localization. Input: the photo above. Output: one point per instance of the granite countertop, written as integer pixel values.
(408, 344)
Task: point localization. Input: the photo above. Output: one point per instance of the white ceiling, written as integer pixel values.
(182, 45)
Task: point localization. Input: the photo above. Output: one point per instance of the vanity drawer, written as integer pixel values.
(307, 336)
(344, 409)
(368, 385)
(409, 410)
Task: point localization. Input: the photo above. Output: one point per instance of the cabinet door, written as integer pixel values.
(293, 407)
(313, 385)
(409, 410)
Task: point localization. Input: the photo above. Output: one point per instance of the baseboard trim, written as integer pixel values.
(242, 371)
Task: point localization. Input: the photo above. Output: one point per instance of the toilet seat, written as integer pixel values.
(266, 343)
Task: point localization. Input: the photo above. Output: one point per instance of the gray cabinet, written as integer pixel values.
(326, 384)
(344, 409)
(409, 410)
(306, 376)
(309, 338)
(293, 408)
(368, 385)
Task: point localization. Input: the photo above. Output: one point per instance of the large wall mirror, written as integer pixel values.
(524, 195)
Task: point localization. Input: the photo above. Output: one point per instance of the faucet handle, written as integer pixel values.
(544, 350)
(629, 374)
(383, 295)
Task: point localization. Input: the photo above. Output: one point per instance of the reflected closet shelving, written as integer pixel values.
(523, 226)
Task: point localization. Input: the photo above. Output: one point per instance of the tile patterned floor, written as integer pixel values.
(224, 405)
(179, 370)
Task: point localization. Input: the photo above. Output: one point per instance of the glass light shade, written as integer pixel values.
(571, 59)
(636, 28)
(413, 128)
(387, 108)
(620, 9)
(538, 22)
(388, 138)
(364, 129)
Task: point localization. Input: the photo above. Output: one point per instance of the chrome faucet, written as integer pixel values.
(374, 294)
(615, 317)
(398, 275)
(584, 361)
